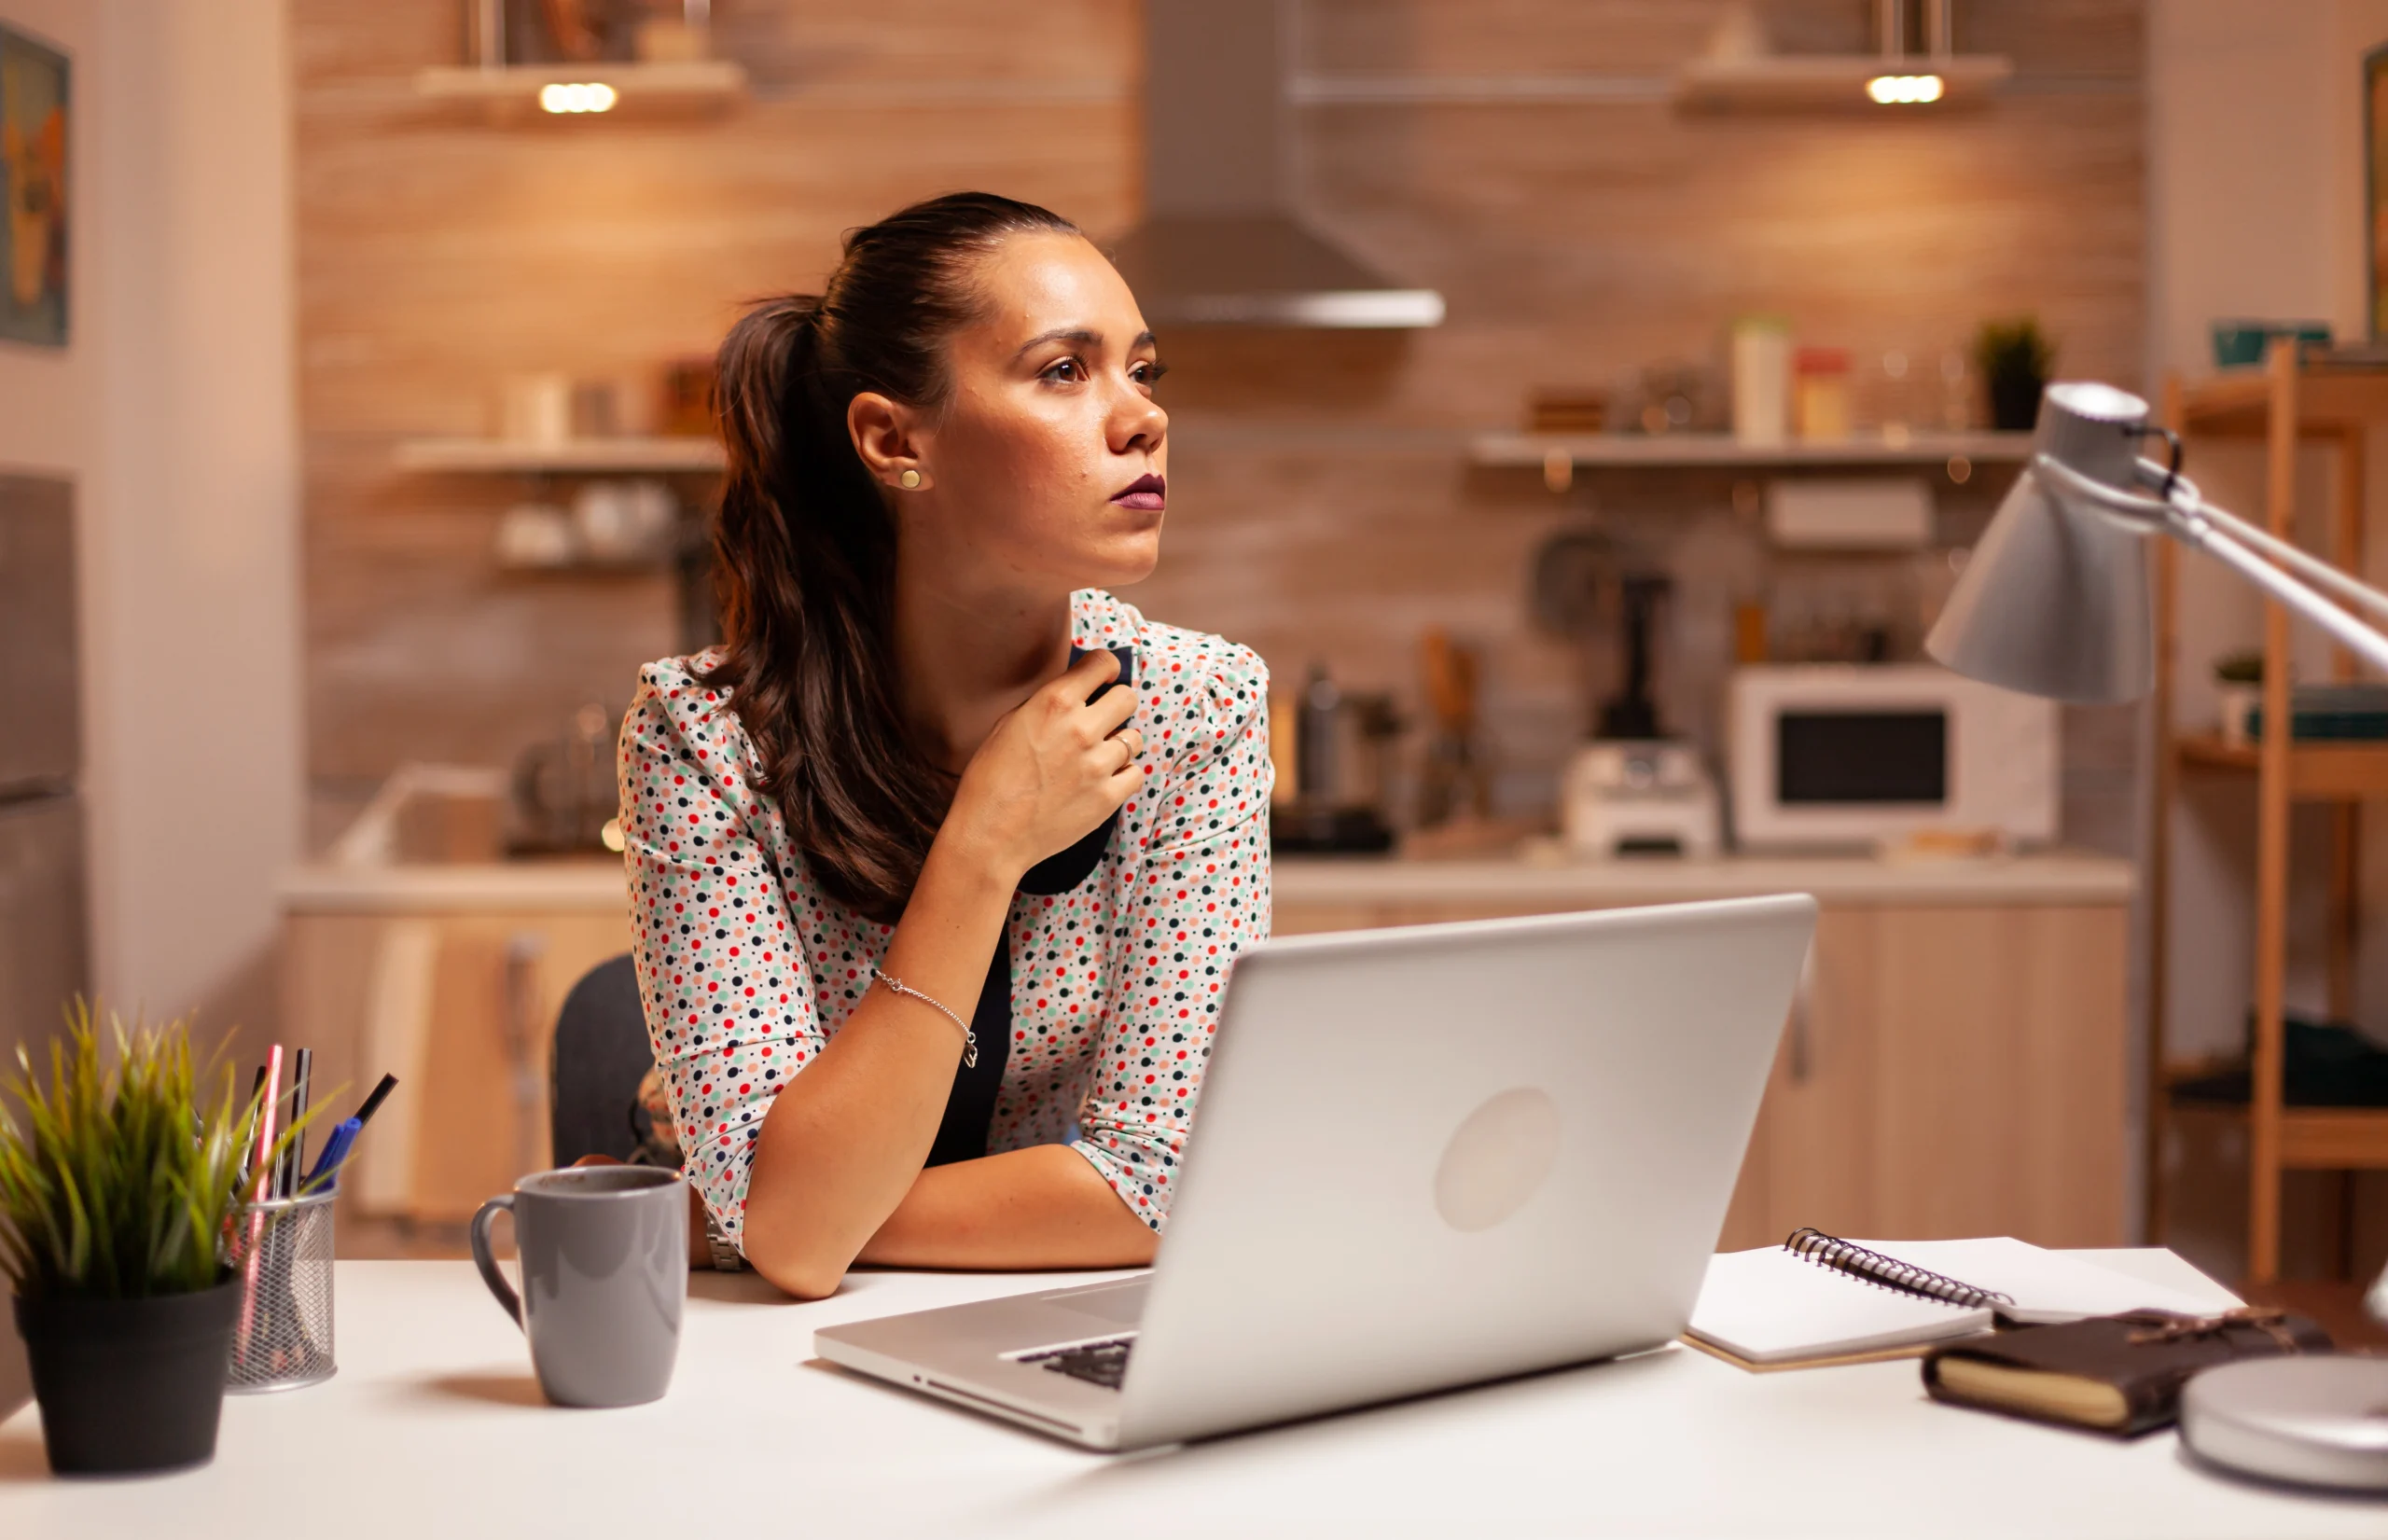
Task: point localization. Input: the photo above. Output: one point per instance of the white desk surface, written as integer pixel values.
(433, 1427)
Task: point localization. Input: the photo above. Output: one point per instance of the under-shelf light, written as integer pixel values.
(577, 96)
(1902, 90)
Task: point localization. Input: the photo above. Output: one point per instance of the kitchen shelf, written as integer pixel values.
(1808, 82)
(703, 85)
(1694, 450)
(2330, 400)
(2318, 771)
(654, 456)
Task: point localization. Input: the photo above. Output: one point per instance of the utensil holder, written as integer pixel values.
(281, 1251)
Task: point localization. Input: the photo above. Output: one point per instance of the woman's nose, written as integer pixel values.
(1137, 422)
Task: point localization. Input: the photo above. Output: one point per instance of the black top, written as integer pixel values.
(970, 1106)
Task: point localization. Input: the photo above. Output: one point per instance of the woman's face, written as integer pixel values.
(1045, 469)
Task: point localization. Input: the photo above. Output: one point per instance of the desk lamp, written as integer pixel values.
(2054, 602)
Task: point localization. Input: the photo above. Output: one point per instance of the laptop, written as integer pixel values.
(1424, 1158)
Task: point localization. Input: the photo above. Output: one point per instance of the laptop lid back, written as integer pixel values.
(1445, 1153)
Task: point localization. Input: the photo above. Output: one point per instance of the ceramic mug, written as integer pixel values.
(604, 1273)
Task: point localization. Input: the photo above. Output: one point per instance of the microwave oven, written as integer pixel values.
(1849, 754)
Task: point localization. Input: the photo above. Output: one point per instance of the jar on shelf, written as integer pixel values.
(1820, 394)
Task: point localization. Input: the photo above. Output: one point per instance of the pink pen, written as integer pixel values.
(261, 1173)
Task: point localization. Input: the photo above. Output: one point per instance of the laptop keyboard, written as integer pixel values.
(1104, 1363)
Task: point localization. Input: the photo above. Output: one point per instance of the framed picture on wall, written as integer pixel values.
(2375, 186)
(33, 108)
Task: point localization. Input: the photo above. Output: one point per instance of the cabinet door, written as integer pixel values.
(461, 1007)
(1958, 1071)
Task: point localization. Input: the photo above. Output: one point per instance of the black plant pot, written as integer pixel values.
(129, 1384)
(2014, 400)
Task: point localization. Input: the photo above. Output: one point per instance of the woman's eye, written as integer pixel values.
(1064, 369)
(1148, 374)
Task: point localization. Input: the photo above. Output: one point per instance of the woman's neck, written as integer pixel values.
(967, 653)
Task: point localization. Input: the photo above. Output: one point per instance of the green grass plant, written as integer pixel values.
(120, 1171)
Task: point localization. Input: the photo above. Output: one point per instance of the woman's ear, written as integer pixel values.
(884, 434)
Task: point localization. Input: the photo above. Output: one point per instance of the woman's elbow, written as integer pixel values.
(789, 1263)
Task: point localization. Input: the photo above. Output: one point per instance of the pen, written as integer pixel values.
(269, 1104)
(335, 1154)
(373, 1102)
(285, 1176)
(261, 1169)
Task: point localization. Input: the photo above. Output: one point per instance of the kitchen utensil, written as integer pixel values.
(535, 535)
(624, 521)
(536, 409)
(1761, 380)
(1340, 776)
(564, 791)
(1452, 782)
(1821, 394)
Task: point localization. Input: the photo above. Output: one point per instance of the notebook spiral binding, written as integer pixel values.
(1889, 1272)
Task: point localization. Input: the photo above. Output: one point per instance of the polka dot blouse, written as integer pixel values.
(747, 969)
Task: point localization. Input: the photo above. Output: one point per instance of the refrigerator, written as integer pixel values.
(44, 944)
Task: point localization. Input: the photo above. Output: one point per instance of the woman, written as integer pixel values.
(918, 888)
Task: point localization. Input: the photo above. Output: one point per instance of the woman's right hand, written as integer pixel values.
(1053, 769)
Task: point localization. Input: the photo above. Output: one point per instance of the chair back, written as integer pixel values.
(601, 1054)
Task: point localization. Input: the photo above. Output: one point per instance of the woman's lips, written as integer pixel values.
(1148, 493)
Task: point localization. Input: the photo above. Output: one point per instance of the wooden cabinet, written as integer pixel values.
(450, 979)
(1951, 1068)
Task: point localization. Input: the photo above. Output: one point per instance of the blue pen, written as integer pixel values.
(335, 1151)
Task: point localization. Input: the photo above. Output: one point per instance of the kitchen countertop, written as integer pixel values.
(1540, 878)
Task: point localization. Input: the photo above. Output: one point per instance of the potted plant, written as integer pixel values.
(2015, 359)
(2238, 692)
(119, 1177)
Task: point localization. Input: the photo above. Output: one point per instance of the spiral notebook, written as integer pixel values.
(1817, 1298)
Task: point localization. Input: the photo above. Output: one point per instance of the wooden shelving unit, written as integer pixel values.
(591, 456)
(1691, 451)
(2285, 404)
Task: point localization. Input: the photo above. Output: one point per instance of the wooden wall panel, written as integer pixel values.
(1322, 510)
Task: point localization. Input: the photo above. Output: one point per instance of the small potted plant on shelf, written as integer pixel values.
(119, 1176)
(2238, 692)
(2014, 358)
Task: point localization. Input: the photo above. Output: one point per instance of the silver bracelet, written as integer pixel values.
(969, 1038)
(725, 1257)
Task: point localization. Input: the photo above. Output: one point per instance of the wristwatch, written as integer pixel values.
(725, 1255)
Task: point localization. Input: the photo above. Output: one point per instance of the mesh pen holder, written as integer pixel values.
(282, 1251)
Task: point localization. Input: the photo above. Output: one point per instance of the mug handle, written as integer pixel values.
(487, 1264)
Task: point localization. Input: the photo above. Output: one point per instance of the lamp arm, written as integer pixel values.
(2312, 568)
(2206, 535)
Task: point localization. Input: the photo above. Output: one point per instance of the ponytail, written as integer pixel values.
(805, 545)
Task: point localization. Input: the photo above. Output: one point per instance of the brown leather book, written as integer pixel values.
(2117, 1374)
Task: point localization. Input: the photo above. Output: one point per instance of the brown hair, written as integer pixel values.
(804, 553)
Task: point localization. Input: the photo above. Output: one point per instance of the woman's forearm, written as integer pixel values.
(844, 1142)
(1042, 1207)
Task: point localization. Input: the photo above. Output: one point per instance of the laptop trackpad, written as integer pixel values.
(1122, 1303)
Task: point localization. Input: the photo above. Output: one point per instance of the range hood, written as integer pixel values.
(1219, 244)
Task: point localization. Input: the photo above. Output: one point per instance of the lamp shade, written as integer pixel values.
(2054, 602)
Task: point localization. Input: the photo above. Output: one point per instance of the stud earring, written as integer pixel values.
(909, 480)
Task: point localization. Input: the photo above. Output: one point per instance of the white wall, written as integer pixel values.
(2255, 174)
(173, 410)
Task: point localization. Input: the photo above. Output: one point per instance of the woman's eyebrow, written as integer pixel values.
(1082, 335)
(1079, 335)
